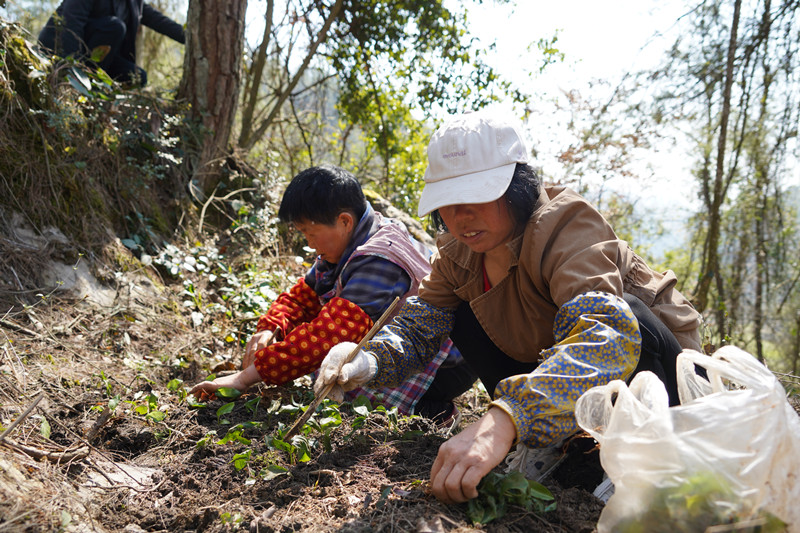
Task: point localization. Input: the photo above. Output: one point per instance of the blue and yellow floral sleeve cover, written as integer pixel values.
(408, 343)
(597, 341)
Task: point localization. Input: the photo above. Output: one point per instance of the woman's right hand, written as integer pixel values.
(259, 340)
(467, 457)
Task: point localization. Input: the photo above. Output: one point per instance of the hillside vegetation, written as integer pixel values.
(119, 289)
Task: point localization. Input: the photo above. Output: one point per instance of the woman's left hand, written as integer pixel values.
(467, 457)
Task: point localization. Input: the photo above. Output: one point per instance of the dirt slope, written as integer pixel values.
(125, 451)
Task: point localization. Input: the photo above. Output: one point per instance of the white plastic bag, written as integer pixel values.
(734, 437)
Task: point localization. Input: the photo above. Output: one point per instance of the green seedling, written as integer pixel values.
(384, 497)
(235, 434)
(108, 389)
(272, 471)
(497, 492)
(228, 393)
(195, 403)
(176, 386)
(149, 408)
(224, 410)
(232, 519)
(299, 449)
(113, 403)
(252, 405)
(240, 460)
(362, 407)
(44, 428)
(206, 440)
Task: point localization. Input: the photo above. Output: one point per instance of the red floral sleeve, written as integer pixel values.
(303, 348)
(299, 304)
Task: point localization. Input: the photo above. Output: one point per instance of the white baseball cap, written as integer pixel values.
(471, 160)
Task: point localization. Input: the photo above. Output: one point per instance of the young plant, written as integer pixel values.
(497, 491)
(235, 434)
(176, 386)
(148, 408)
(240, 460)
(206, 440)
(224, 410)
(252, 405)
(299, 449)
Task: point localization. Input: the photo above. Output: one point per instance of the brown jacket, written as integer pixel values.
(566, 249)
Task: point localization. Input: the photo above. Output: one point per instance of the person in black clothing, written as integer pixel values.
(103, 33)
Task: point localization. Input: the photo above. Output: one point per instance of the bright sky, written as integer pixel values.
(600, 40)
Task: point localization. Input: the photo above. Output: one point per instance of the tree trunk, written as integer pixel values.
(211, 77)
(796, 351)
(254, 77)
(762, 170)
(248, 137)
(710, 270)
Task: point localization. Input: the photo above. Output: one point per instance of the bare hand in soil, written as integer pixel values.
(258, 341)
(240, 381)
(467, 457)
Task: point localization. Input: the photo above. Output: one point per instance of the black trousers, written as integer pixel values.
(485, 361)
(105, 32)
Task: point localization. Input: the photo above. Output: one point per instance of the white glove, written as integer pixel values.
(360, 370)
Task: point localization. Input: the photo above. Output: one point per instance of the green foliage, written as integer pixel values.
(740, 121)
(206, 440)
(224, 410)
(240, 460)
(147, 406)
(211, 287)
(228, 393)
(382, 71)
(496, 492)
(25, 67)
(44, 428)
(82, 154)
(176, 385)
(231, 519)
(704, 500)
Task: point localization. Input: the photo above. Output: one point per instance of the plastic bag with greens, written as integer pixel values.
(729, 454)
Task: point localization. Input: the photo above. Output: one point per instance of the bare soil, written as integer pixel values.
(100, 469)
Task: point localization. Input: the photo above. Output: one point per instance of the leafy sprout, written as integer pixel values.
(497, 492)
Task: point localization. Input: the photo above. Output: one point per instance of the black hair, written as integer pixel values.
(320, 194)
(521, 196)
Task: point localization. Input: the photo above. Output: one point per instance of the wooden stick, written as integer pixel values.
(318, 400)
(22, 417)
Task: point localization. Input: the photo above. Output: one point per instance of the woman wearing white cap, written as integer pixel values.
(537, 292)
